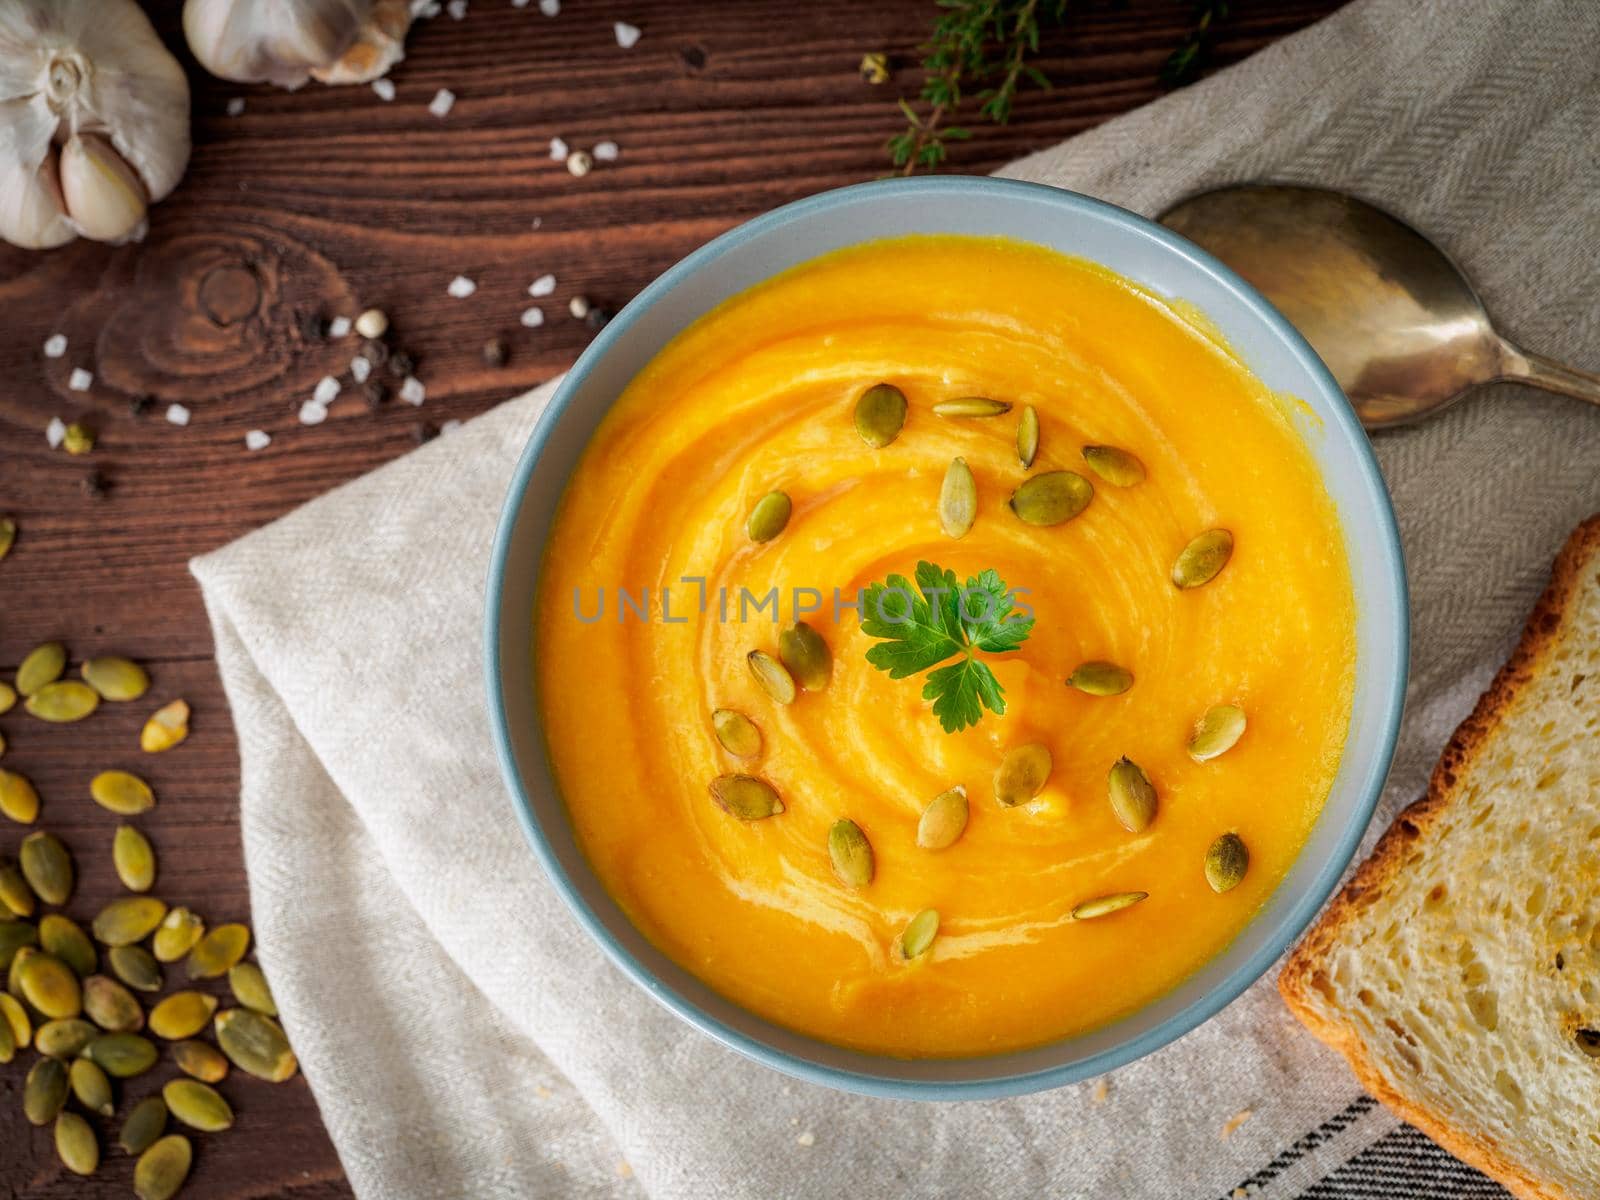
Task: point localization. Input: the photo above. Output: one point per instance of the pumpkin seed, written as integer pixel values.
(1217, 732)
(15, 1018)
(136, 967)
(43, 664)
(1133, 796)
(179, 931)
(971, 406)
(880, 414)
(182, 1015)
(167, 726)
(44, 1091)
(128, 919)
(1102, 906)
(111, 1006)
(1226, 862)
(1203, 558)
(18, 801)
(123, 1055)
(944, 820)
(1021, 773)
(1052, 498)
(772, 675)
(64, 1039)
(1028, 436)
(8, 1040)
(1101, 679)
(1114, 465)
(65, 938)
(197, 1105)
(134, 859)
(249, 985)
(47, 867)
(806, 656)
(162, 1168)
(919, 934)
(769, 516)
(16, 897)
(746, 797)
(144, 1126)
(8, 696)
(14, 976)
(75, 1144)
(958, 499)
(64, 701)
(200, 1060)
(851, 853)
(8, 536)
(14, 936)
(115, 678)
(737, 733)
(49, 985)
(255, 1044)
(121, 792)
(217, 951)
(91, 1086)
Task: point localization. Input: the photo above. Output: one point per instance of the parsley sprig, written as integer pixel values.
(939, 619)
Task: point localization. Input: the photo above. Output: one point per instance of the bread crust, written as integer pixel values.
(1373, 877)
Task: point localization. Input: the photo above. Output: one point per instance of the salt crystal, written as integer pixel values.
(412, 391)
(537, 222)
(606, 151)
(177, 414)
(235, 106)
(550, 8)
(55, 346)
(340, 327)
(627, 34)
(533, 317)
(457, 9)
(327, 390)
(542, 286)
(450, 426)
(384, 88)
(312, 413)
(360, 368)
(55, 432)
(807, 1138)
(80, 380)
(427, 9)
(443, 101)
(257, 439)
(558, 149)
(461, 287)
(519, 3)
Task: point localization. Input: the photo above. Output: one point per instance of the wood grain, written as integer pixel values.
(324, 201)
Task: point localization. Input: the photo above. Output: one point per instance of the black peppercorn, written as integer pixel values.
(402, 364)
(140, 404)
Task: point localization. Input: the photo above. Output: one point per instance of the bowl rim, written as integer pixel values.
(1290, 922)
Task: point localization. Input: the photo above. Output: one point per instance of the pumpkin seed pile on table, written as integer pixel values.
(95, 1001)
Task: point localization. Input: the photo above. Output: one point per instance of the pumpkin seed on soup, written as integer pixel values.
(47, 867)
(806, 656)
(40, 666)
(144, 1126)
(918, 937)
(121, 792)
(1101, 679)
(1021, 774)
(64, 701)
(737, 733)
(944, 820)
(1102, 906)
(958, 499)
(134, 859)
(1217, 732)
(217, 951)
(167, 726)
(1114, 464)
(971, 406)
(772, 675)
(75, 1144)
(850, 853)
(1052, 498)
(1202, 559)
(115, 678)
(1133, 796)
(769, 516)
(880, 414)
(111, 1006)
(128, 919)
(1028, 436)
(162, 1168)
(180, 930)
(746, 797)
(65, 938)
(1227, 860)
(18, 801)
(255, 1044)
(137, 967)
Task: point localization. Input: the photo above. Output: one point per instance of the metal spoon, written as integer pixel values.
(1395, 320)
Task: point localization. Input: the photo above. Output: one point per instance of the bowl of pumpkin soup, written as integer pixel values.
(946, 637)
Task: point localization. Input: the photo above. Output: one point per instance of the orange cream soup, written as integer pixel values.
(759, 395)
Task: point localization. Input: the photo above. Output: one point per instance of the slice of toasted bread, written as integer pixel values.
(1459, 970)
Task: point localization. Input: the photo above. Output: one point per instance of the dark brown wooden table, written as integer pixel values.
(325, 201)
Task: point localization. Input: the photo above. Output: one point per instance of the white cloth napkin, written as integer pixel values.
(463, 1036)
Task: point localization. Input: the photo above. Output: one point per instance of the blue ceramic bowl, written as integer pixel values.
(1071, 224)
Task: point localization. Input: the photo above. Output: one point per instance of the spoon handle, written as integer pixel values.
(1526, 367)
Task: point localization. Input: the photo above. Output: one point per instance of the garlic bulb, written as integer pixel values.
(287, 42)
(94, 121)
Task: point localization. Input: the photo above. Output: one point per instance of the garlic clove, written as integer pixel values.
(380, 44)
(32, 212)
(105, 197)
(285, 41)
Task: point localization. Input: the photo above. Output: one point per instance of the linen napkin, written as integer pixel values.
(464, 1038)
